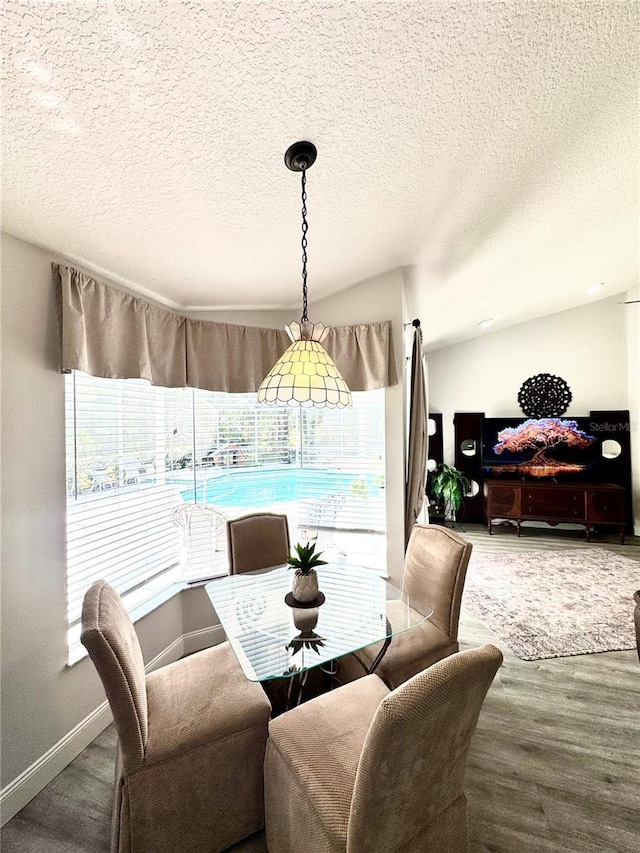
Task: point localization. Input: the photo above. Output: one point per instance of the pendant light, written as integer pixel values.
(305, 374)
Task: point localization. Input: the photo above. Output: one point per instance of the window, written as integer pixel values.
(137, 453)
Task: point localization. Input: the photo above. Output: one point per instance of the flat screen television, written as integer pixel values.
(537, 448)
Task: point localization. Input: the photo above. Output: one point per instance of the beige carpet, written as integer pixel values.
(547, 604)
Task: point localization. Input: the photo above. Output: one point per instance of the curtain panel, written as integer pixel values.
(107, 332)
(417, 449)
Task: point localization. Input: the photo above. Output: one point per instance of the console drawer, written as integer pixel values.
(554, 503)
(605, 506)
(504, 501)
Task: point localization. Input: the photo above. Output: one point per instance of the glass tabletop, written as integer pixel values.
(273, 640)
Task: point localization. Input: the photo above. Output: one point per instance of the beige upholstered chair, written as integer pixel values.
(365, 770)
(257, 541)
(191, 739)
(434, 573)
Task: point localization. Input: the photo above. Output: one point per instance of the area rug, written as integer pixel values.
(548, 604)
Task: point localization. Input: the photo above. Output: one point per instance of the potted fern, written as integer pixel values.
(305, 578)
(451, 486)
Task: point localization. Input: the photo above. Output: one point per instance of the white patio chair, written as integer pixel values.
(203, 534)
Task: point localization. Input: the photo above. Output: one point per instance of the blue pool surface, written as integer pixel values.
(262, 487)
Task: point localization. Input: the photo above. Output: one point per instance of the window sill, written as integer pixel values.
(205, 581)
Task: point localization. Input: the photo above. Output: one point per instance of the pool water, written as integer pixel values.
(263, 487)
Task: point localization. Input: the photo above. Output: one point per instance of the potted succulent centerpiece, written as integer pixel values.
(305, 579)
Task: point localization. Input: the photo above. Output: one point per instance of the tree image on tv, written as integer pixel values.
(541, 436)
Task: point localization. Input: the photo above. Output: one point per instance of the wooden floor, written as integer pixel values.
(554, 765)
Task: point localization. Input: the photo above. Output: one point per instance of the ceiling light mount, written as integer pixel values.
(300, 156)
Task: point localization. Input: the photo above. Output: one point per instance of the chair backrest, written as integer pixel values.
(202, 528)
(257, 541)
(435, 568)
(636, 617)
(413, 762)
(110, 638)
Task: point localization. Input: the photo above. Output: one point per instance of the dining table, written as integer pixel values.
(276, 638)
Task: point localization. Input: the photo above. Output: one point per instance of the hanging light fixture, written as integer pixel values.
(305, 374)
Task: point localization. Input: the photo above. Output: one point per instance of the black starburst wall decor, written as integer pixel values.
(544, 396)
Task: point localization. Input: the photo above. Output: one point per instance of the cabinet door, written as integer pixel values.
(551, 503)
(605, 505)
(504, 501)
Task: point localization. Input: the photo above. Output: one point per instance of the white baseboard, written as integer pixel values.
(31, 781)
(194, 641)
(172, 652)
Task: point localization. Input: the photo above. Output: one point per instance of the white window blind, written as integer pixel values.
(342, 460)
(119, 499)
(137, 455)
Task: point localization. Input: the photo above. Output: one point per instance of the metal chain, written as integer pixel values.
(305, 228)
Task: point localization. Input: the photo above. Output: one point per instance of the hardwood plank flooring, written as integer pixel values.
(554, 766)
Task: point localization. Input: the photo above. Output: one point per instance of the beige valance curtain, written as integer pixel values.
(107, 332)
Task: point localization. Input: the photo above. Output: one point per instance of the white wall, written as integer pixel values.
(43, 699)
(587, 346)
(380, 298)
(632, 328)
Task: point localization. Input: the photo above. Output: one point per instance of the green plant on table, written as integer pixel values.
(451, 486)
(306, 560)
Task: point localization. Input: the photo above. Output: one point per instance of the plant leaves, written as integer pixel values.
(307, 559)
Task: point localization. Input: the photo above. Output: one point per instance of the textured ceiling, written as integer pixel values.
(491, 148)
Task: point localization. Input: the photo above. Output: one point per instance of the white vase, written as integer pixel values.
(305, 587)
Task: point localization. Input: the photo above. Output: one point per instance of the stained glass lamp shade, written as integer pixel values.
(305, 374)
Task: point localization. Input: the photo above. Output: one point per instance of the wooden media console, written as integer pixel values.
(591, 504)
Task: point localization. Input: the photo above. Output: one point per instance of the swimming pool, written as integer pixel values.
(261, 487)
